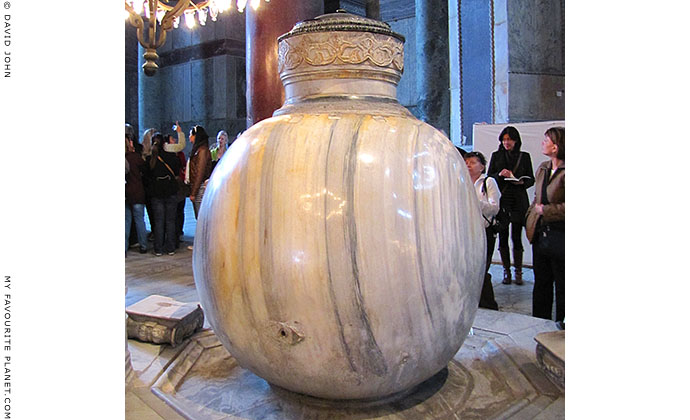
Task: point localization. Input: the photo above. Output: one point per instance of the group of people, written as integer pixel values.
(506, 209)
(159, 178)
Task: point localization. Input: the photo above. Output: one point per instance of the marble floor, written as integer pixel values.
(171, 276)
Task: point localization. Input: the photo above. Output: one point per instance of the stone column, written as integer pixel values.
(131, 77)
(433, 82)
(265, 92)
(149, 97)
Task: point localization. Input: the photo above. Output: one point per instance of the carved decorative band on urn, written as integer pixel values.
(340, 248)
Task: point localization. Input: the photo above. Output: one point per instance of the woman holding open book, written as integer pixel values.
(513, 172)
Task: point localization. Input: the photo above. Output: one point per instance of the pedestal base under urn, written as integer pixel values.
(340, 248)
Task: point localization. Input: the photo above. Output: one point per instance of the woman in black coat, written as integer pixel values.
(513, 172)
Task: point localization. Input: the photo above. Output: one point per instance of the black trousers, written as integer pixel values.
(179, 220)
(548, 272)
(515, 235)
(487, 299)
(164, 212)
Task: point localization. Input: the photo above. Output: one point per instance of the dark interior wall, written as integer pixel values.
(536, 45)
(131, 77)
(201, 79)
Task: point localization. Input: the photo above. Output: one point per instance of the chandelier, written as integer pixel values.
(154, 18)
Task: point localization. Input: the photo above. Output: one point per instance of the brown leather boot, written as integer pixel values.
(505, 260)
(517, 261)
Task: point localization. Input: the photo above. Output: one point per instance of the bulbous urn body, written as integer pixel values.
(340, 248)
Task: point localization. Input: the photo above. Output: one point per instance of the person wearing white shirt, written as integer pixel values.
(489, 196)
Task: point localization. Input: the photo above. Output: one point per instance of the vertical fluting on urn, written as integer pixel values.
(339, 249)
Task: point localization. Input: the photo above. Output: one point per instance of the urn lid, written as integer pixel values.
(344, 47)
(341, 21)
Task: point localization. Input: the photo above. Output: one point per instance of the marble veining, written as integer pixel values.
(297, 227)
(340, 249)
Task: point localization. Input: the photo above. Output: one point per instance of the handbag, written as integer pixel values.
(550, 237)
(184, 189)
(499, 222)
(174, 177)
(551, 241)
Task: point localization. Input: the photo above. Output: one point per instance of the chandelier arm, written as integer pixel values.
(153, 22)
(136, 21)
(170, 15)
(134, 18)
(197, 5)
(161, 39)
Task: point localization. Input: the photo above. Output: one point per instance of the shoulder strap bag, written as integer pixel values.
(551, 240)
(495, 224)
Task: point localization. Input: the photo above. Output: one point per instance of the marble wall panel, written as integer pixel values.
(131, 77)
(455, 123)
(454, 50)
(235, 89)
(407, 90)
(186, 87)
(168, 42)
(219, 105)
(178, 97)
(477, 91)
(354, 7)
(195, 34)
(536, 36)
(181, 37)
(501, 87)
(207, 32)
(234, 25)
(454, 68)
(201, 90)
(168, 111)
(535, 97)
(240, 89)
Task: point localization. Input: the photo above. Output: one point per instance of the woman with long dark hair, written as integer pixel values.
(546, 229)
(512, 170)
(164, 168)
(200, 166)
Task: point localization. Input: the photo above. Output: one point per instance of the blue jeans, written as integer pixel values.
(164, 214)
(136, 212)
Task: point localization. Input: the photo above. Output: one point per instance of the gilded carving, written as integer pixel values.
(346, 48)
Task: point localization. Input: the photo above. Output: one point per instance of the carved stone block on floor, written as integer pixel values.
(159, 319)
(551, 355)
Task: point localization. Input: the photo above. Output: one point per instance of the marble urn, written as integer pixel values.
(339, 250)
